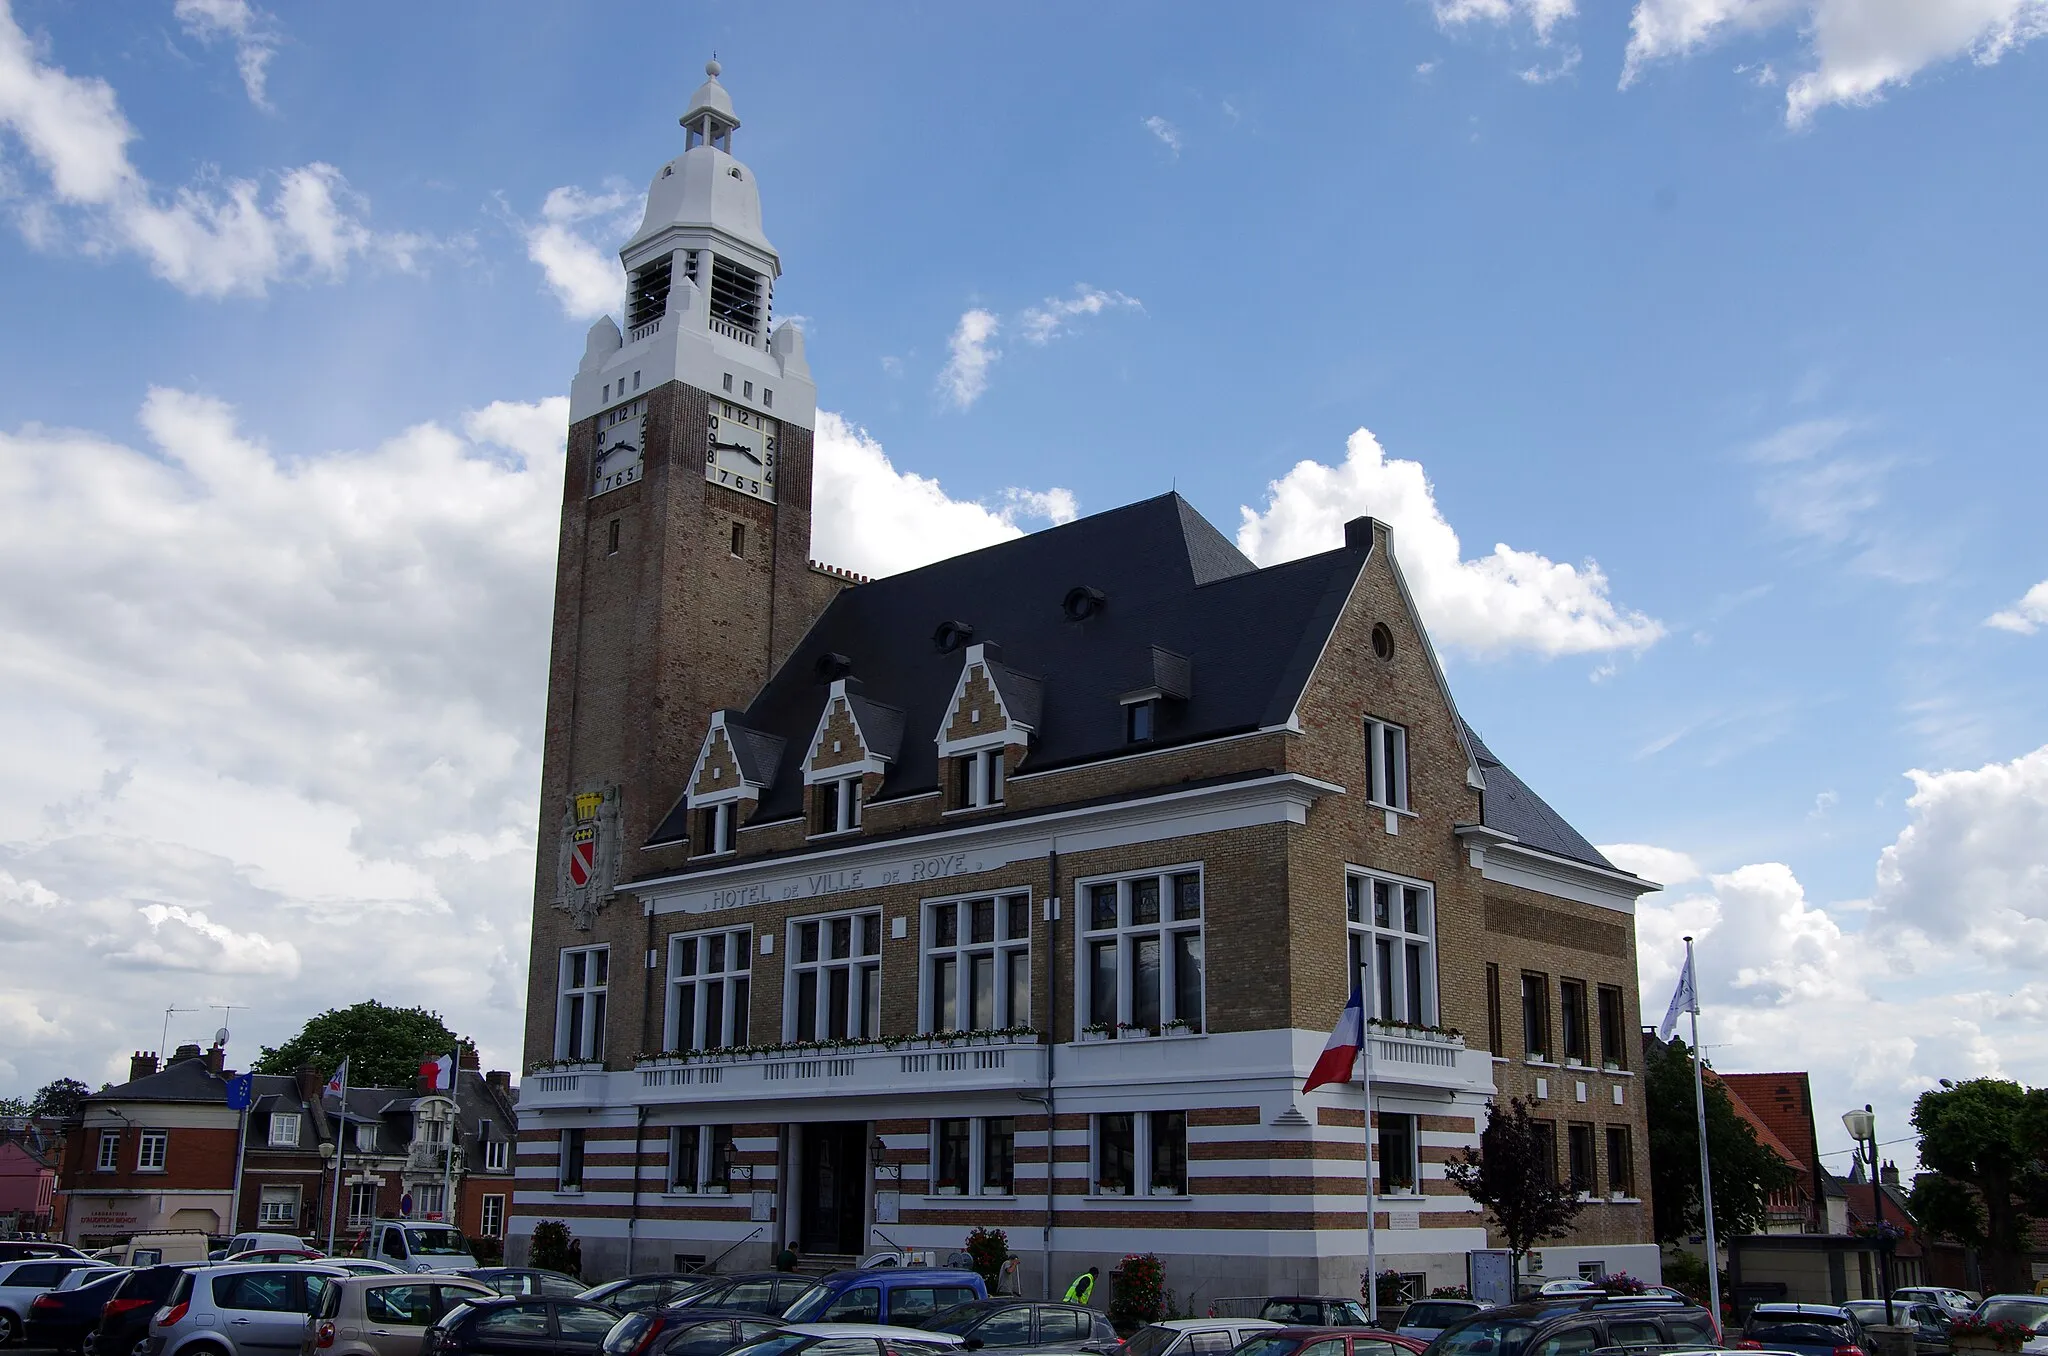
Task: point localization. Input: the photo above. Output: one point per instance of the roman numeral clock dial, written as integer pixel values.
(741, 450)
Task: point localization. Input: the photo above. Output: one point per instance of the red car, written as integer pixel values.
(1328, 1342)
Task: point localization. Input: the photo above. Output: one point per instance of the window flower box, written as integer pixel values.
(1091, 1034)
(1167, 1189)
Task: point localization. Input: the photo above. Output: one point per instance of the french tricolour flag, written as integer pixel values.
(439, 1072)
(1340, 1052)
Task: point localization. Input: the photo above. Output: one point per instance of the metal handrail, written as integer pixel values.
(712, 1265)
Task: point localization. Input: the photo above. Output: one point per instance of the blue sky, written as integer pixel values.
(1722, 315)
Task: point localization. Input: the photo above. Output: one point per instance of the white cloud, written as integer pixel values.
(248, 27)
(584, 275)
(1666, 866)
(1857, 48)
(1544, 75)
(1509, 600)
(965, 375)
(876, 520)
(1043, 323)
(2026, 616)
(1541, 15)
(218, 236)
(1168, 134)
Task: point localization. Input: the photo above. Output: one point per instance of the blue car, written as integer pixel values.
(902, 1296)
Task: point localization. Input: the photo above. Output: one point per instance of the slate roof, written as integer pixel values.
(1509, 805)
(1252, 638)
(758, 754)
(881, 725)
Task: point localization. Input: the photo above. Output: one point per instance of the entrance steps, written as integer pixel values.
(823, 1263)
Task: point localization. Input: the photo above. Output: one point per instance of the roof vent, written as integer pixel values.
(1083, 602)
(832, 666)
(951, 635)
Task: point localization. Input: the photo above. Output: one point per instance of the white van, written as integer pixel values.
(258, 1240)
(412, 1245)
(148, 1250)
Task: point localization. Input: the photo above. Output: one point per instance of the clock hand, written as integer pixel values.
(740, 448)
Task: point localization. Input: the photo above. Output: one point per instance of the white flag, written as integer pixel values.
(1685, 998)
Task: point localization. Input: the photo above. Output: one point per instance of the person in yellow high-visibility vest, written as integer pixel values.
(1083, 1287)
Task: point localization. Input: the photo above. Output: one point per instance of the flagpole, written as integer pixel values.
(1699, 1092)
(1372, 1256)
(334, 1206)
(455, 1137)
(235, 1201)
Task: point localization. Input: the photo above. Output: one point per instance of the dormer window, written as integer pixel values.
(1141, 720)
(979, 778)
(838, 805)
(715, 828)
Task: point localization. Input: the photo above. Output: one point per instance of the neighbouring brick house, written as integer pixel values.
(159, 1152)
(30, 1148)
(862, 905)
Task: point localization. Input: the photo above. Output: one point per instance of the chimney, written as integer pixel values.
(1358, 534)
(469, 1058)
(1889, 1173)
(189, 1050)
(216, 1058)
(500, 1080)
(310, 1083)
(141, 1064)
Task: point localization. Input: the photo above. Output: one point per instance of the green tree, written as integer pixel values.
(62, 1097)
(382, 1045)
(1746, 1170)
(1985, 1138)
(16, 1108)
(1513, 1173)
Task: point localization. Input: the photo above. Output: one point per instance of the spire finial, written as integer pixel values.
(712, 68)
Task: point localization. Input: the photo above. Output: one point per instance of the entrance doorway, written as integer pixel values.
(832, 1190)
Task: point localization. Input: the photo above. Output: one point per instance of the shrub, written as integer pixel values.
(1450, 1292)
(987, 1250)
(1137, 1295)
(2002, 1333)
(1621, 1283)
(552, 1247)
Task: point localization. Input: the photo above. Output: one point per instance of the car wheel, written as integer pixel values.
(10, 1329)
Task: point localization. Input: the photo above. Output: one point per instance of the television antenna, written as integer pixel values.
(164, 1041)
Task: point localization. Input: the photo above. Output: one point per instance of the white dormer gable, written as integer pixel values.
(718, 776)
(978, 715)
(840, 747)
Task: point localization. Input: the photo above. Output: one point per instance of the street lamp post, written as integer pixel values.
(1862, 1128)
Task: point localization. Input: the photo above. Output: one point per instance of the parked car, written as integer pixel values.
(229, 1309)
(413, 1245)
(1930, 1322)
(63, 1317)
(521, 1326)
(2030, 1311)
(1561, 1327)
(1954, 1302)
(686, 1331)
(647, 1291)
(905, 1296)
(22, 1281)
(850, 1339)
(363, 1266)
(758, 1292)
(1314, 1311)
(526, 1281)
(1011, 1324)
(1804, 1329)
(1193, 1336)
(1424, 1319)
(21, 1249)
(300, 1253)
(385, 1315)
(125, 1321)
(257, 1240)
(177, 1245)
(1327, 1341)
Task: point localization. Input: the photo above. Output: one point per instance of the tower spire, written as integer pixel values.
(710, 121)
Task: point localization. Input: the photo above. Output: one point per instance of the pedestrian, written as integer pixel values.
(576, 1258)
(1083, 1287)
(786, 1259)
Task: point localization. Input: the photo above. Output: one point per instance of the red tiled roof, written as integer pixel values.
(1767, 1136)
(1783, 1104)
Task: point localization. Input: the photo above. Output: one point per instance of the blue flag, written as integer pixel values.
(241, 1092)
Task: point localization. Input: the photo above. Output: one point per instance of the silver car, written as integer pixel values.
(239, 1309)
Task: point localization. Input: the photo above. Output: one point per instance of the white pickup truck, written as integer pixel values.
(412, 1245)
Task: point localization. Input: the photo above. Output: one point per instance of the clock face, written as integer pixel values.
(741, 451)
(621, 454)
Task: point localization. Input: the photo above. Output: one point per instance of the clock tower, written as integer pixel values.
(683, 575)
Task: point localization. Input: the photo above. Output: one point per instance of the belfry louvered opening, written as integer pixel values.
(647, 294)
(737, 295)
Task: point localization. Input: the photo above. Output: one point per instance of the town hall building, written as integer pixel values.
(1019, 890)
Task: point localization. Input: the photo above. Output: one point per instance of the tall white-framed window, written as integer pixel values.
(979, 778)
(493, 1217)
(580, 1003)
(1393, 946)
(977, 967)
(497, 1154)
(1141, 953)
(835, 977)
(1386, 758)
(362, 1203)
(699, 1159)
(427, 1199)
(110, 1151)
(153, 1150)
(1139, 1153)
(710, 986)
(284, 1132)
(837, 805)
(278, 1205)
(715, 828)
(569, 1165)
(1400, 1169)
(976, 1156)
(366, 1139)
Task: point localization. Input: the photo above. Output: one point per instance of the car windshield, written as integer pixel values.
(1815, 1332)
(435, 1243)
(771, 1346)
(809, 1305)
(1484, 1337)
(1149, 1341)
(958, 1319)
(2028, 1312)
